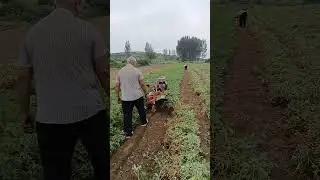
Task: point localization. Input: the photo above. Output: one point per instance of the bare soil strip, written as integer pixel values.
(144, 145)
(140, 149)
(247, 108)
(190, 98)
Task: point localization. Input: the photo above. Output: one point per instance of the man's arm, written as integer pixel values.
(102, 72)
(143, 84)
(101, 60)
(25, 73)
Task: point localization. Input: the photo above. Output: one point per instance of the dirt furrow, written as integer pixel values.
(143, 146)
(247, 109)
(190, 98)
(140, 149)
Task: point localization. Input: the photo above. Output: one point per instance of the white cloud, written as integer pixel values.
(161, 23)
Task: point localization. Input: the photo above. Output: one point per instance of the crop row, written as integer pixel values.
(292, 68)
(200, 82)
(116, 123)
(184, 134)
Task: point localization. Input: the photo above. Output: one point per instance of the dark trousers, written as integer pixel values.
(57, 143)
(243, 20)
(127, 108)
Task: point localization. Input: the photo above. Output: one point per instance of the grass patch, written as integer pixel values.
(20, 158)
(292, 67)
(200, 83)
(182, 158)
(193, 163)
(183, 137)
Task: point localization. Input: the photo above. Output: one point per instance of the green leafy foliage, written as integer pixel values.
(191, 48)
(200, 82)
(292, 68)
(150, 54)
(143, 62)
(193, 164)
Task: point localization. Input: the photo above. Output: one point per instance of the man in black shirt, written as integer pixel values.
(243, 18)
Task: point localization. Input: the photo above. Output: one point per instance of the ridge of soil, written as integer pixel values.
(144, 144)
(247, 109)
(193, 100)
(139, 149)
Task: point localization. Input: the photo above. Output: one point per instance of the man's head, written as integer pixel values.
(131, 60)
(75, 6)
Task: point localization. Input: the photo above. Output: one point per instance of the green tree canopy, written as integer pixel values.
(191, 48)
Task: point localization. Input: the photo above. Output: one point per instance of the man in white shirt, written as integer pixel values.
(67, 58)
(129, 83)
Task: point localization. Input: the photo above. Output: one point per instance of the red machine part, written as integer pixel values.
(152, 99)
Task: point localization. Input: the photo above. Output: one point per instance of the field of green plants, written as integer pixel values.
(193, 165)
(234, 157)
(19, 153)
(222, 33)
(182, 132)
(290, 37)
(292, 67)
(116, 134)
(200, 82)
(118, 60)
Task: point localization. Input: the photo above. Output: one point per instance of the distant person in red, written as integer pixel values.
(185, 67)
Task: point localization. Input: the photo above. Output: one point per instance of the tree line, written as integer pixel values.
(191, 48)
(187, 49)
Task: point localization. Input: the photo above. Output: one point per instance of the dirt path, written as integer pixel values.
(247, 108)
(145, 143)
(192, 99)
(148, 141)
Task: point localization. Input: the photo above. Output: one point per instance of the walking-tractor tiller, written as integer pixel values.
(158, 96)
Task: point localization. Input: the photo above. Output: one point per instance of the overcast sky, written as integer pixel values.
(159, 22)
